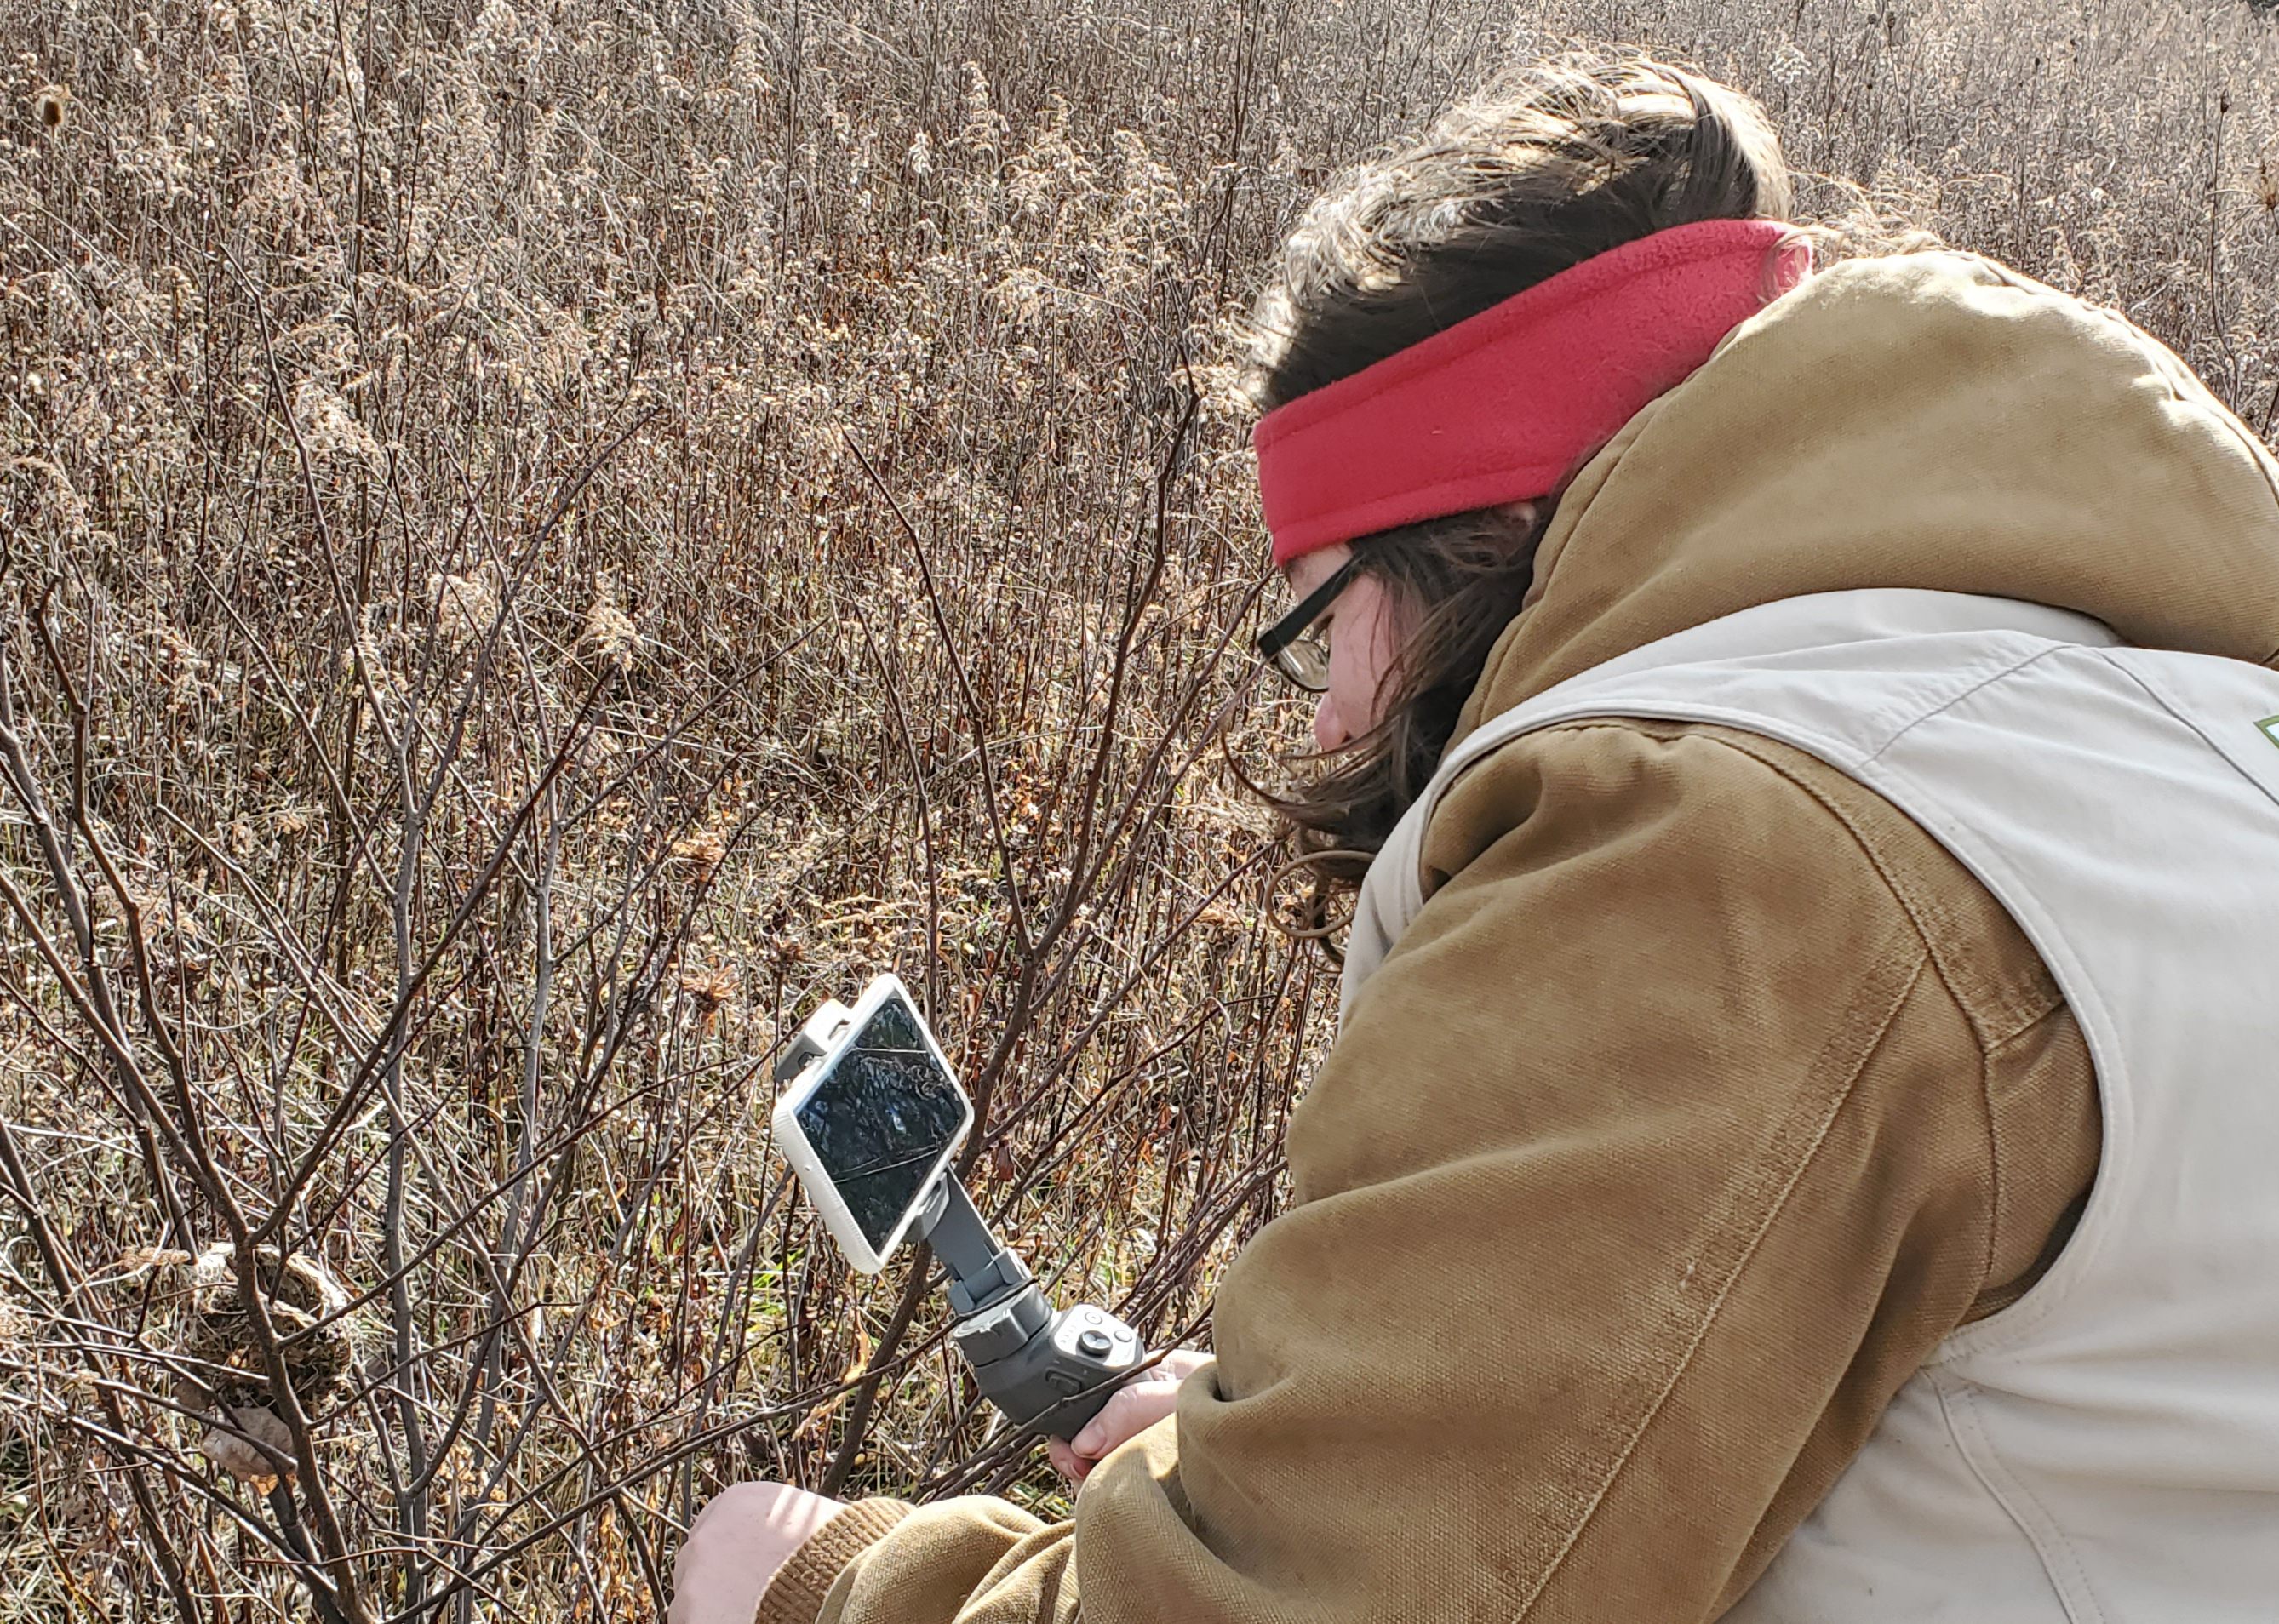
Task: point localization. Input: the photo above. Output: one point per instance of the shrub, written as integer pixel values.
(540, 543)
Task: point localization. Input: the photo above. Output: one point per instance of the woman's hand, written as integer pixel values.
(1133, 1409)
(742, 1536)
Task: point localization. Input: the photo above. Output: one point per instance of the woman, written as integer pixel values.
(1754, 690)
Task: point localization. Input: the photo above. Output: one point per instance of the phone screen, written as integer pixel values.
(882, 1118)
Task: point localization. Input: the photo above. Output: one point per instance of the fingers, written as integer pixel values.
(1129, 1412)
(1132, 1411)
(1179, 1364)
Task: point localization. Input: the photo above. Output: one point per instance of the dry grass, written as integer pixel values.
(469, 690)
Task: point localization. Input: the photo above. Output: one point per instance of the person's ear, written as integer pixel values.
(1522, 514)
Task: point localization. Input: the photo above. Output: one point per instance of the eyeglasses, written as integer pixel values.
(1286, 645)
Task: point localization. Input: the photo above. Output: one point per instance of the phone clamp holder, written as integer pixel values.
(1044, 1368)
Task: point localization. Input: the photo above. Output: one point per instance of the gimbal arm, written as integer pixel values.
(980, 1270)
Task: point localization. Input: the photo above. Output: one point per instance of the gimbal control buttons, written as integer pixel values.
(1093, 1345)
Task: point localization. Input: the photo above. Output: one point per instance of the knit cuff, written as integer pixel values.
(794, 1595)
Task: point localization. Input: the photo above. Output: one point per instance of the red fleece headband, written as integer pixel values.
(1503, 406)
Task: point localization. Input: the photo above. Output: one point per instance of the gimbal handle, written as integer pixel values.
(1042, 1368)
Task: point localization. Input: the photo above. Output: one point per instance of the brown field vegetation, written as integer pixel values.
(543, 538)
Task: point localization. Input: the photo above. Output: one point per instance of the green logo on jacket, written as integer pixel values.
(2270, 726)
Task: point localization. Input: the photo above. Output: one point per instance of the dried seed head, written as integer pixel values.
(50, 103)
(701, 854)
(466, 606)
(366, 651)
(2267, 185)
(710, 989)
(609, 636)
(138, 1259)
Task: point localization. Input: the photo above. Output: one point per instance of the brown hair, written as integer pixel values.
(1545, 167)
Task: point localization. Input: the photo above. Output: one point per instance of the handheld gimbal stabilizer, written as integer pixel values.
(871, 1119)
(1042, 1367)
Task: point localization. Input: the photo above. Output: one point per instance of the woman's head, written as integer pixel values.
(1546, 167)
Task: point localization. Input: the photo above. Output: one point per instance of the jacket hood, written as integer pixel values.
(1928, 420)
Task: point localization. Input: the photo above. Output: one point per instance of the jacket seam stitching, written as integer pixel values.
(1998, 1035)
(2007, 672)
(1986, 1471)
(1872, 1040)
(1997, 1187)
(1987, 1047)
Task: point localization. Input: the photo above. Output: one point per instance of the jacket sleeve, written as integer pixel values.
(1662, 1149)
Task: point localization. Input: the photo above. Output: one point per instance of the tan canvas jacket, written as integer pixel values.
(1710, 1094)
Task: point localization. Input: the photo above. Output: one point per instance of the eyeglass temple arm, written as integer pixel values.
(1293, 626)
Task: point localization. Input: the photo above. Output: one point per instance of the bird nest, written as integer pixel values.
(223, 1372)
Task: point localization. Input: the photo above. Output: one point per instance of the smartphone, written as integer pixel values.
(871, 1119)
